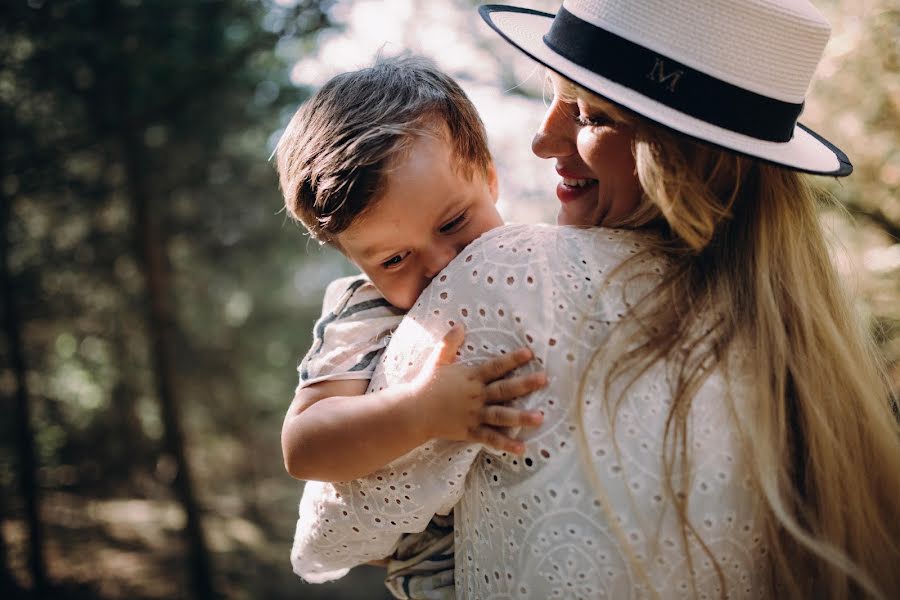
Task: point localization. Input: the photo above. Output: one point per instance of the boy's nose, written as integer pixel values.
(438, 257)
(556, 135)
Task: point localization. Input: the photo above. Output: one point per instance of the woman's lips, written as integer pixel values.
(570, 189)
(573, 185)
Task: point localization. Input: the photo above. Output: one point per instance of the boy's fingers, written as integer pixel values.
(493, 438)
(514, 387)
(453, 339)
(496, 368)
(504, 416)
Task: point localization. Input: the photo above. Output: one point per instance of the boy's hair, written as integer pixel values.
(334, 154)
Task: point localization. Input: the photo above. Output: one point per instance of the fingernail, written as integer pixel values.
(524, 353)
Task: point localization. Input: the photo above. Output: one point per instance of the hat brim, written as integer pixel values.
(807, 151)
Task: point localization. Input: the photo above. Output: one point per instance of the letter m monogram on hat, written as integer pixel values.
(659, 75)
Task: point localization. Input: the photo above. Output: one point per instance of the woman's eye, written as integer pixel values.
(593, 121)
(393, 261)
(454, 224)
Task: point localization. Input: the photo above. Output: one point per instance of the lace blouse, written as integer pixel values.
(535, 526)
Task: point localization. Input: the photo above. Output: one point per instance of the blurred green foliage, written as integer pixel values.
(100, 101)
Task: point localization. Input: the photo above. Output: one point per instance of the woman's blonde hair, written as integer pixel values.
(819, 435)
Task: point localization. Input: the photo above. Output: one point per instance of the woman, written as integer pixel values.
(716, 424)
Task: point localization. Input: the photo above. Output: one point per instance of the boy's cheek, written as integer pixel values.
(406, 295)
(402, 294)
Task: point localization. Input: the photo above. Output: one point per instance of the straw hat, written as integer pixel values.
(730, 72)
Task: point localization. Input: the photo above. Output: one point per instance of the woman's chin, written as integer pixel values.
(570, 215)
(563, 219)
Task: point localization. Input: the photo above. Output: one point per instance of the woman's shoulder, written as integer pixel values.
(512, 244)
(584, 256)
(537, 268)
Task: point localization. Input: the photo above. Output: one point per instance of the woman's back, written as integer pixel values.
(536, 526)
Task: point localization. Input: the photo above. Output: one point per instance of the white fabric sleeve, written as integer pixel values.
(342, 525)
(350, 336)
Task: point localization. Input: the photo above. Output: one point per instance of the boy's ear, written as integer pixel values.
(493, 183)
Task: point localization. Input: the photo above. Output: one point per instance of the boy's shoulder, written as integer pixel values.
(352, 284)
(353, 291)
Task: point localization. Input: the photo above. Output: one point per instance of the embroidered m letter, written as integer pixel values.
(658, 74)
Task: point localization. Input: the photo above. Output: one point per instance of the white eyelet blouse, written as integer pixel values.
(535, 526)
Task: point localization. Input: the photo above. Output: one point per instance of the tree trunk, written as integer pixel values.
(160, 329)
(7, 583)
(21, 413)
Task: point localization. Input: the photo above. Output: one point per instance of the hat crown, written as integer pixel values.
(770, 47)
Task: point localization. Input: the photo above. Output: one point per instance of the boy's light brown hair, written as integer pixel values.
(334, 155)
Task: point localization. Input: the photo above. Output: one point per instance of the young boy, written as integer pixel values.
(390, 165)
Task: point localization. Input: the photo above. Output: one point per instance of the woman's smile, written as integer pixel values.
(598, 183)
(574, 186)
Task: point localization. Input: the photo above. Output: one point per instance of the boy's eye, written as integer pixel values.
(393, 261)
(454, 224)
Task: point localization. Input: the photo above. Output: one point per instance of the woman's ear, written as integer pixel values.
(493, 183)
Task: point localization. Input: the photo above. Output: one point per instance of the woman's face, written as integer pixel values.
(594, 159)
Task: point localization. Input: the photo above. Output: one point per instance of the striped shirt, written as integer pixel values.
(350, 336)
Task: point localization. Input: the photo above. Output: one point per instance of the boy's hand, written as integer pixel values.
(460, 402)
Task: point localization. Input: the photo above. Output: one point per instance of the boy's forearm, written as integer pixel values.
(345, 437)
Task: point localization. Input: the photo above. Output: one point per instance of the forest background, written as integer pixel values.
(156, 299)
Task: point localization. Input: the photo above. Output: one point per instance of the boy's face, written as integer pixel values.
(426, 215)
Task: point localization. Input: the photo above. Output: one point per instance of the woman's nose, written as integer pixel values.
(556, 135)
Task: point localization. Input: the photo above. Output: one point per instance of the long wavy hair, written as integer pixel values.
(820, 438)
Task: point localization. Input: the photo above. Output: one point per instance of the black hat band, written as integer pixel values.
(670, 82)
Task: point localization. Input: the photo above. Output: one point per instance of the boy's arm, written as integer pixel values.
(334, 431)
